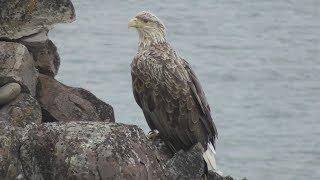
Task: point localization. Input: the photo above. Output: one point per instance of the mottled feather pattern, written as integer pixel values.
(146, 16)
(162, 84)
(200, 99)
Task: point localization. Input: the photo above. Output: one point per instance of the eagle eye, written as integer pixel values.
(145, 20)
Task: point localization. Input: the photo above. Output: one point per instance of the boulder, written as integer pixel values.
(9, 92)
(44, 53)
(91, 150)
(77, 150)
(18, 66)
(63, 103)
(23, 18)
(21, 111)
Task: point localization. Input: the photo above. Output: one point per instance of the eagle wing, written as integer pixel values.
(202, 103)
(146, 98)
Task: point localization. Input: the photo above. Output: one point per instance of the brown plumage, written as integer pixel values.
(167, 89)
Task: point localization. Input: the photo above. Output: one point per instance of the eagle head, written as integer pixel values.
(150, 28)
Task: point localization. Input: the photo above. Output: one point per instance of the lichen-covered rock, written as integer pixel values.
(23, 18)
(163, 152)
(21, 111)
(91, 150)
(78, 150)
(10, 165)
(18, 66)
(45, 55)
(63, 103)
(186, 165)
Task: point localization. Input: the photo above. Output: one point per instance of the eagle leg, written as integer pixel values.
(153, 135)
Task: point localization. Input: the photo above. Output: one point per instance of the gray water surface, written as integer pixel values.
(258, 61)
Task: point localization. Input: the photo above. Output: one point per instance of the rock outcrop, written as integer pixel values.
(64, 103)
(22, 111)
(17, 65)
(77, 150)
(24, 18)
(188, 164)
(49, 130)
(90, 150)
(9, 92)
(45, 54)
(31, 61)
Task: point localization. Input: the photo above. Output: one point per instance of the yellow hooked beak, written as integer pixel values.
(134, 22)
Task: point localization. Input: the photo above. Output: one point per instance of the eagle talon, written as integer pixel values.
(153, 135)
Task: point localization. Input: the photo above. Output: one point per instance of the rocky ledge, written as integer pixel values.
(49, 130)
(91, 150)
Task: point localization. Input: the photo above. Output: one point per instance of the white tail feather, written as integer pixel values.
(209, 157)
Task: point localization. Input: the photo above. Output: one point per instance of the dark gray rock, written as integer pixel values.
(45, 55)
(63, 103)
(186, 165)
(21, 111)
(163, 152)
(23, 18)
(18, 66)
(216, 176)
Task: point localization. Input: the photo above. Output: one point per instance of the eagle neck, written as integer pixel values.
(150, 37)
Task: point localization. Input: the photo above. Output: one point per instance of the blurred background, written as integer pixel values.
(258, 61)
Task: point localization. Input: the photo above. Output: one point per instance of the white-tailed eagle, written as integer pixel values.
(168, 91)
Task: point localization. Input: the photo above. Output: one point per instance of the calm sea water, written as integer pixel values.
(258, 60)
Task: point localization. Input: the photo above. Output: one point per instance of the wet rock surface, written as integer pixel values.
(64, 103)
(17, 65)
